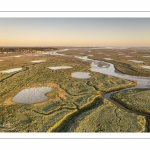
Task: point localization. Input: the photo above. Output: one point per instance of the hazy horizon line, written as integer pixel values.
(77, 46)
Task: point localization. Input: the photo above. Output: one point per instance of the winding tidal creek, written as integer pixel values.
(109, 69)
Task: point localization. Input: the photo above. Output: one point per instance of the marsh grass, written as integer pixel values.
(69, 96)
(106, 117)
(135, 99)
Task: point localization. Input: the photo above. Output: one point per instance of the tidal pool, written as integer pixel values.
(128, 56)
(38, 61)
(108, 58)
(59, 67)
(136, 61)
(18, 56)
(146, 67)
(32, 95)
(120, 54)
(11, 70)
(81, 75)
(146, 56)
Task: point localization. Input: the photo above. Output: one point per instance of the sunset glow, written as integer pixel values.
(74, 32)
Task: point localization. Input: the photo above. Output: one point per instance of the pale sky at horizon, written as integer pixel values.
(75, 32)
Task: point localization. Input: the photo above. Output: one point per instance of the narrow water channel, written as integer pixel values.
(109, 69)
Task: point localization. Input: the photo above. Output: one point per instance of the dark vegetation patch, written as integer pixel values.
(135, 99)
(107, 117)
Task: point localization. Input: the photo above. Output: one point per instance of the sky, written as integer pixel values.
(75, 32)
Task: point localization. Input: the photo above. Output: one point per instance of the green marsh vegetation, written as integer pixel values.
(135, 99)
(69, 99)
(107, 117)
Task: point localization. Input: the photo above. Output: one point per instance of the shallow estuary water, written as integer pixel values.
(109, 69)
(101, 67)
